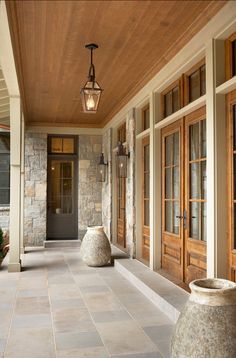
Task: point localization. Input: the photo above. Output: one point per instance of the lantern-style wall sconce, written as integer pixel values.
(122, 161)
(91, 92)
(101, 169)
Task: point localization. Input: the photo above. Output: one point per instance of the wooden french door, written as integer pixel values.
(145, 199)
(231, 139)
(184, 197)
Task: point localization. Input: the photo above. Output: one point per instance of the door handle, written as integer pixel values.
(183, 217)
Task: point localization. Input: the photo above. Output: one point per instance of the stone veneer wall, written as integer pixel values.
(107, 185)
(130, 185)
(90, 191)
(4, 218)
(35, 210)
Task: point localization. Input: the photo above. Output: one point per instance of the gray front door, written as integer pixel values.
(62, 213)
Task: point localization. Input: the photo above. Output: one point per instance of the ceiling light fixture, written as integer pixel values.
(91, 92)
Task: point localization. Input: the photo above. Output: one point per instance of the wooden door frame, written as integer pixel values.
(194, 117)
(164, 133)
(64, 157)
(231, 260)
(145, 229)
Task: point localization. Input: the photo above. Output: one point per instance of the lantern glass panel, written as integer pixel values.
(122, 166)
(90, 95)
(101, 172)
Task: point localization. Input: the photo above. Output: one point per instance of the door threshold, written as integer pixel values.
(61, 243)
(174, 280)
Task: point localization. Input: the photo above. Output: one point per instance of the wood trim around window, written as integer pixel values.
(228, 57)
(186, 79)
(231, 256)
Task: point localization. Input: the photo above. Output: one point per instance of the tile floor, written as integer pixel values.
(59, 307)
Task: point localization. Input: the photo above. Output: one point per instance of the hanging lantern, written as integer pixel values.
(122, 161)
(91, 92)
(101, 169)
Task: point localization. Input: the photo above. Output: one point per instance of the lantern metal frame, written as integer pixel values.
(102, 165)
(122, 156)
(91, 92)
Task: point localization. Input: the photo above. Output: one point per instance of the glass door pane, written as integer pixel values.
(172, 183)
(197, 180)
(62, 174)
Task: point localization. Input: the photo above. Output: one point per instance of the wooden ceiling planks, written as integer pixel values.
(136, 39)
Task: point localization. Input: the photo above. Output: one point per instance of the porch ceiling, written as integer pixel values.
(136, 39)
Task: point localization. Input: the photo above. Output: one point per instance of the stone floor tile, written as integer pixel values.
(102, 302)
(164, 348)
(93, 280)
(139, 355)
(77, 340)
(124, 339)
(159, 333)
(66, 303)
(60, 279)
(31, 321)
(73, 320)
(67, 291)
(2, 345)
(30, 343)
(94, 352)
(33, 293)
(111, 316)
(94, 289)
(32, 305)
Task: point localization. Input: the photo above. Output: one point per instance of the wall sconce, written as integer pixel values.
(122, 161)
(91, 92)
(101, 169)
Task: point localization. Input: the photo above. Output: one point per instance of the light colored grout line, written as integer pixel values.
(50, 306)
(109, 355)
(124, 308)
(12, 315)
(130, 314)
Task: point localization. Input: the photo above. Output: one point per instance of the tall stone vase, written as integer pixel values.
(206, 328)
(95, 248)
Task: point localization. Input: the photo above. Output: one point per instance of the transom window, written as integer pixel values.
(62, 145)
(121, 133)
(145, 118)
(4, 169)
(195, 82)
(172, 98)
(231, 56)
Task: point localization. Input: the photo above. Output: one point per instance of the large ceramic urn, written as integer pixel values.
(95, 248)
(206, 327)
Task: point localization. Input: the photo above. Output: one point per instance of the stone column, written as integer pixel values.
(15, 185)
(130, 185)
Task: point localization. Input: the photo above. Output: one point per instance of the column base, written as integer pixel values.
(14, 267)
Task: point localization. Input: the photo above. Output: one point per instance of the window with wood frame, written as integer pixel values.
(4, 169)
(195, 82)
(172, 98)
(121, 133)
(230, 52)
(145, 118)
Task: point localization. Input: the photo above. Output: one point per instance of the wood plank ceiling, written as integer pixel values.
(136, 39)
